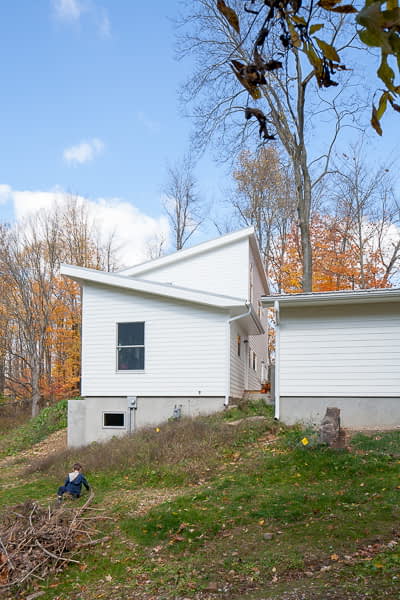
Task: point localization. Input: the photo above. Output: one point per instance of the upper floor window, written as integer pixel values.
(130, 346)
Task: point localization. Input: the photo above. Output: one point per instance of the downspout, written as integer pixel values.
(228, 347)
(277, 358)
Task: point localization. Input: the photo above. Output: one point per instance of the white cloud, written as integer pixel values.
(71, 11)
(149, 124)
(104, 25)
(83, 152)
(68, 10)
(5, 194)
(134, 231)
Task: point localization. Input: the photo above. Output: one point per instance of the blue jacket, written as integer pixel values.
(75, 486)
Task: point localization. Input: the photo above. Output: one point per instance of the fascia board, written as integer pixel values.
(83, 275)
(333, 298)
(189, 252)
(257, 255)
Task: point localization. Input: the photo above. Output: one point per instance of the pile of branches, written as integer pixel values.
(37, 541)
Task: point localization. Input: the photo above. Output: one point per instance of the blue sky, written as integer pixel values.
(89, 102)
(89, 106)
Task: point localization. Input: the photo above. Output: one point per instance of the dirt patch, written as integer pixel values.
(144, 499)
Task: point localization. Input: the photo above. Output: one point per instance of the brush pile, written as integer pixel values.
(36, 542)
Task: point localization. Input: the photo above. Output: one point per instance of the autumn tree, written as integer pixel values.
(40, 345)
(264, 198)
(252, 78)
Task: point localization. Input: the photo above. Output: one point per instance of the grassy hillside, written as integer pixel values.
(35, 430)
(207, 509)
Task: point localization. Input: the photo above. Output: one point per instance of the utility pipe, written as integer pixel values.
(277, 358)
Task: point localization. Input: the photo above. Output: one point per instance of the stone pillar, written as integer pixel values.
(330, 432)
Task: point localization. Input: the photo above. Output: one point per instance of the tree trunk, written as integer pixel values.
(35, 378)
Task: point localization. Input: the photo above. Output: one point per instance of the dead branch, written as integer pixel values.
(36, 541)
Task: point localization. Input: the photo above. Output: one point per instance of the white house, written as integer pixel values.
(182, 334)
(338, 349)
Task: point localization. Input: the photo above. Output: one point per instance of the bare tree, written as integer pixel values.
(286, 100)
(182, 203)
(367, 214)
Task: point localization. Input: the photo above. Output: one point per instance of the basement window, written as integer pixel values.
(115, 420)
(130, 346)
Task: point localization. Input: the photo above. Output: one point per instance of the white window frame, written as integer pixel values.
(118, 346)
(113, 412)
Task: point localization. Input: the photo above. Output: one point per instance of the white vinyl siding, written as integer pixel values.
(238, 363)
(347, 350)
(186, 350)
(257, 343)
(220, 271)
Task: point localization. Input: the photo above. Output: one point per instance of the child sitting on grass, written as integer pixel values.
(73, 483)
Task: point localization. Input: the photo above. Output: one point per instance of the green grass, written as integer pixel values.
(383, 443)
(221, 488)
(48, 421)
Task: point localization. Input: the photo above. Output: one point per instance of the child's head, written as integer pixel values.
(77, 467)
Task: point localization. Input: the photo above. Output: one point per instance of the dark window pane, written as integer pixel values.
(130, 334)
(114, 419)
(130, 359)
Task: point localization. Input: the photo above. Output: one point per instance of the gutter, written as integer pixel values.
(277, 359)
(228, 347)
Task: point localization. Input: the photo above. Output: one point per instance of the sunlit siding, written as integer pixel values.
(185, 346)
(238, 363)
(257, 343)
(350, 350)
(220, 271)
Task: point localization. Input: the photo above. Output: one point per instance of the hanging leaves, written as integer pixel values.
(262, 120)
(379, 22)
(229, 14)
(381, 29)
(248, 77)
(328, 51)
(375, 121)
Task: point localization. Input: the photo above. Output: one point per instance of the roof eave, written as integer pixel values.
(333, 298)
(91, 276)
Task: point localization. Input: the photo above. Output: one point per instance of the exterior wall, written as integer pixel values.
(242, 375)
(350, 350)
(85, 417)
(355, 413)
(185, 346)
(220, 271)
(238, 363)
(257, 343)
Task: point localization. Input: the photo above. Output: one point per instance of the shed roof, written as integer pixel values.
(331, 298)
(235, 306)
(185, 253)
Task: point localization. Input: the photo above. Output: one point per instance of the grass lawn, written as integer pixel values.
(204, 509)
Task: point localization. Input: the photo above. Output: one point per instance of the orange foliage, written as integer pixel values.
(338, 263)
(63, 342)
